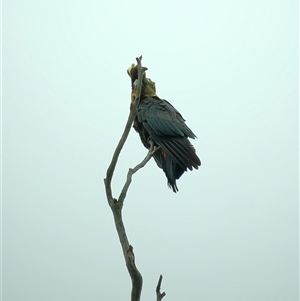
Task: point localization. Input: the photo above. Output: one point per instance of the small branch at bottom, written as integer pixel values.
(159, 295)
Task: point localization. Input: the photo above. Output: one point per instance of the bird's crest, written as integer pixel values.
(148, 88)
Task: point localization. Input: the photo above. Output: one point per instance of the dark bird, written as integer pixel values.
(159, 121)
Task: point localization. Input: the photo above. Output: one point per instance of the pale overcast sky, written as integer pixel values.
(231, 69)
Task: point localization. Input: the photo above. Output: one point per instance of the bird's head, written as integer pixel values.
(148, 86)
(132, 71)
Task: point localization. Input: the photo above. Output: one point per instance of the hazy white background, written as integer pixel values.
(231, 69)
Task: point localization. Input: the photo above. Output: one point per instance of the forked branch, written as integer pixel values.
(132, 114)
(131, 171)
(117, 204)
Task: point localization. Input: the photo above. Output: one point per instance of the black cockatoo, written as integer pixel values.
(159, 121)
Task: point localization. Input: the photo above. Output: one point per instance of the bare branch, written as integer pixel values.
(159, 296)
(136, 277)
(131, 171)
(111, 168)
(138, 87)
(132, 114)
(116, 205)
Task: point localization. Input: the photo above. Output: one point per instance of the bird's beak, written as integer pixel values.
(129, 70)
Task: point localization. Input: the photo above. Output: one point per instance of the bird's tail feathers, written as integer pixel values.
(183, 152)
(175, 157)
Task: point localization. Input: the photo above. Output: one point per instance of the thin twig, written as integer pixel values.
(159, 296)
(138, 86)
(131, 171)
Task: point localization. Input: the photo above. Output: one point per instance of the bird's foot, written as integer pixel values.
(155, 148)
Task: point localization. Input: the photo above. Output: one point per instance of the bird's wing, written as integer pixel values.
(167, 128)
(161, 119)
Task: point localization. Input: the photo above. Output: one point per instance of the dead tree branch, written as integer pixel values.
(117, 204)
(131, 171)
(133, 110)
(159, 295)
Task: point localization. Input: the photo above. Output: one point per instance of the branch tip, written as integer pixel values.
(159, 295)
